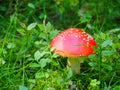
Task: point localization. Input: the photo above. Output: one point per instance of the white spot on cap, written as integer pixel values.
(87, 40)
(70, 31)
(89, 37)
(69, 34)
(87, 43)
(83, 32)
(76, 36)
(77, 30)
(85, 35)
(84, 38)
(64, 32)
(60, 36)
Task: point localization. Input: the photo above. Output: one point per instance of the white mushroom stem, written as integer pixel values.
(75, 64)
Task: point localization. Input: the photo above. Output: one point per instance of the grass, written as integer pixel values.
(26, 30)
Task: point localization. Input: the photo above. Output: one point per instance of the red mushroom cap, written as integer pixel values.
(73, 42)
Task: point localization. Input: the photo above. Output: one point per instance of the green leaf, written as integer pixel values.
(107, 42)
(43, 62)
(60, 80)
(47, 75)
(37, 55)
(21, 31)
(103, 35)
(116, 88)
(34, 65)
(31, 80)
(42, 16)
(42, 75)
(31, 5)
(69, 74)
(94, 83)
(55, 55)
(42, 35)
(53, 33)
(107, 52)
(11, 45)
(118, 36)
(49, 26)
(39, 75)
(85, 18)
(92, 64)
(23, 88)
(41, 27)
(114, 30)
(23, 25)
(31, 26)
(2, 62)
(107, 66)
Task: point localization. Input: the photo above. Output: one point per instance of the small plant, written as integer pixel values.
(94, 85)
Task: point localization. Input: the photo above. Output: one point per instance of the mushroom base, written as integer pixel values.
(74, 64)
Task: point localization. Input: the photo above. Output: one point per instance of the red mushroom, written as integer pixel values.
(74, 44)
